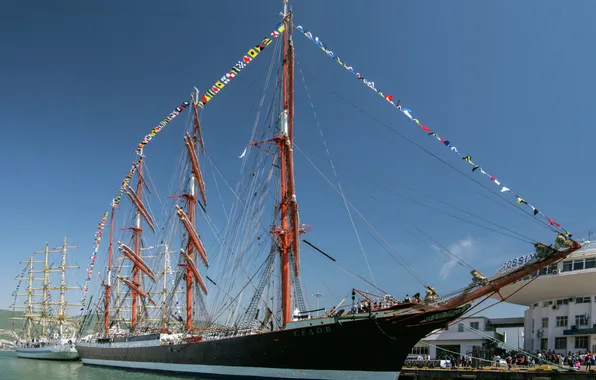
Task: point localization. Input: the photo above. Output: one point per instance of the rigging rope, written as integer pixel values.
(261, 103)
(389, 98)
(312, 106)
(98, 236)
(185, 165)
(223, 206)
(498, 195)
(250, 209)
(15, 294)
(247, 212)
(405, 264)
(247, 283)
(394, 192)
(254, 208)
(343, 266)
(453, 255)
(252, 54)
(511, 348)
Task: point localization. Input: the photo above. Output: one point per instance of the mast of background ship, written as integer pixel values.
(63, 286)
(108, 284)
(288, 235)
(194, 243)
(30, 299)
(46, 285)
(62, 307)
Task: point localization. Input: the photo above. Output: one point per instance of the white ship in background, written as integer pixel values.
(47, 331)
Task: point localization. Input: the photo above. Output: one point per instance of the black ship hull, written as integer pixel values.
(351, 347)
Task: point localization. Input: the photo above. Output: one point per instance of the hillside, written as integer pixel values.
(5, 322)
(6, 335)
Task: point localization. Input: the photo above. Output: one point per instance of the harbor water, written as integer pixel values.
(13, 368)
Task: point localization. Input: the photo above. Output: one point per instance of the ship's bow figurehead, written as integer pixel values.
(478, 278)
(431, 295)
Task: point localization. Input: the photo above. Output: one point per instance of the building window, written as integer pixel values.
(562, 321)
(580, 320)
(475, 325)
(420, 350)
(590, 263)
(582, 300)
(578, 265)
(581, 342)
(545, 304)
(544, 344)
(563, 302)
(489, 327)
(552, 268)
(545, 323)
(567, 266)
(460, 327)
(561, 343)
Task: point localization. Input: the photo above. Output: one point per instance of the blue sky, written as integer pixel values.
(508, 82)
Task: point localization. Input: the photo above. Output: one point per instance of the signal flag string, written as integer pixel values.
(408, 112)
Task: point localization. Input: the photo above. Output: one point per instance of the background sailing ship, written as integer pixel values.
(46, 329)
(237, 305)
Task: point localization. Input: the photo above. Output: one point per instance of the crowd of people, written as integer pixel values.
(511, 359)
(571, 359)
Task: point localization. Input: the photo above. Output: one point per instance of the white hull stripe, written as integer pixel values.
(277, 373)
(48, 355)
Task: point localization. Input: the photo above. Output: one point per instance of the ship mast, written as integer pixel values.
(193, 244)
(62, 307)
(135, 254)
(192, 199)
(43, 317)
(108, 284)
(137, 232)
(30, 299)
(46, 285)
(289, 233)
(164, 309)
(63, 287)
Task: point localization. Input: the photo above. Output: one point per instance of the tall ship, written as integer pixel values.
(169, 302)
(45, 330)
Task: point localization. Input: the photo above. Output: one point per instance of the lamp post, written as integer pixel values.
(318, 295)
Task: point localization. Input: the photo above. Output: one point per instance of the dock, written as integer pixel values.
(494, 373)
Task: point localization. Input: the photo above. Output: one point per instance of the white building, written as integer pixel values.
(461, 340)
(561, 303)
